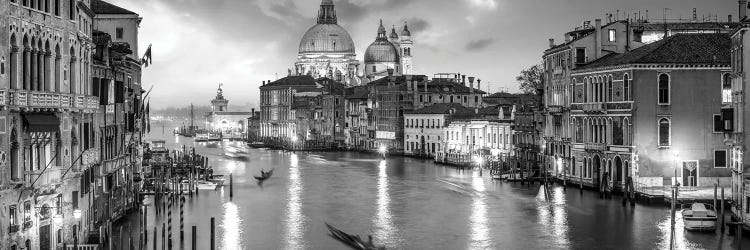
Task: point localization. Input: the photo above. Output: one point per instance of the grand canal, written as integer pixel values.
(405, 204)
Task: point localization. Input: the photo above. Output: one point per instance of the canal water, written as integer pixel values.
(403, 203)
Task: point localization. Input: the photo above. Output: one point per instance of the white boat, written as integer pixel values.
(205, 185)
(201, 137)
(699, 216)
(218, 180)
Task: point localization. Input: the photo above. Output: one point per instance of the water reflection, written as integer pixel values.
(294, 218)
(553, 215)
(232, 227)
(479, 224)
(384, 219)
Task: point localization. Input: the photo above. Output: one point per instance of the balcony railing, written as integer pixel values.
(50, 177)
(41, 99)
(595, 146)
(601, 106)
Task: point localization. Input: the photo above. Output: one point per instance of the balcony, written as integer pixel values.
(555, 109)
(50, 177)
(593, 146)
(27, 99)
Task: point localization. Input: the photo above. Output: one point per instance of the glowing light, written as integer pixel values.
(382, 149)
(384, 219)
(77, 213)
(294, 138)
(232, 227)
(480, 238)
(295, 221)
(478, 159)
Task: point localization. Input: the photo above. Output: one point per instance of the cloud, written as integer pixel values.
(481, 44)
(285, 11)
(483, 4)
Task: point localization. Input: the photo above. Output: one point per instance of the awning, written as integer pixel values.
(42, 122)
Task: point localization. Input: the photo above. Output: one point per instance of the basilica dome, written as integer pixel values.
(381, 51)
(326, 38)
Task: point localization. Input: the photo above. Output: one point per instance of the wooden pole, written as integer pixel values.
(163, 236)
(145, 224)
(716, 187)
(671, 231)
(194, 237)
(154, 239)
(212, 234)
(231, 186)
(722, 211)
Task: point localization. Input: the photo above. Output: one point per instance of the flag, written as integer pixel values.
(146, 60)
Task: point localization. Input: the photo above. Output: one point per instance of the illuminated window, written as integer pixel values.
(612, 35)
(726, 89)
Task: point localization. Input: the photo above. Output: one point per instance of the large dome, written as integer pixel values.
(323, 38)
(381, 51)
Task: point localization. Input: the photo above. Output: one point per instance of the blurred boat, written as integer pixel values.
(264, 175)
(218, 180)
(205, 185)
(353, 241)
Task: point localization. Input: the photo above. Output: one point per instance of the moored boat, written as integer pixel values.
(218, 180)
(353, 241)
(205, 185)
(699, 216)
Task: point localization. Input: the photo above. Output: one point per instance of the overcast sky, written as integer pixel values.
(198, 44)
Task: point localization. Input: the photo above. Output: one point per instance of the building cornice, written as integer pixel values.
(647, 66)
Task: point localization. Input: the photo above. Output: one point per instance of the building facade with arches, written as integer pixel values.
(647, 114)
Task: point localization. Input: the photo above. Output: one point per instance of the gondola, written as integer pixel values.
(353, 241)
(264, 175)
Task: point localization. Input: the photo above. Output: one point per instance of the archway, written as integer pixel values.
(422, 150)
(618, 167)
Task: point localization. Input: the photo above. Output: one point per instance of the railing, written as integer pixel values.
(595, 146)
(590, 107)
(554, 109)
(80, 247)
(49, 177)
(41, 99)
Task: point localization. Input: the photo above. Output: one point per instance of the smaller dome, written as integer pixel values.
(406, 31)
(394, 35)
(381, 51)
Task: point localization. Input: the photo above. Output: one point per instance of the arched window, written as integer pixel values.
(726, 89)
(664, 89)
(626, 87)
(664, 132)
(585, 89)
(610, 90)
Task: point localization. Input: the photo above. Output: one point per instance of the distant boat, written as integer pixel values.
(264, 175)
(218, 180)
(257, 144)
(699, 216)
(201, 137)
(353, 241)
(205, 185)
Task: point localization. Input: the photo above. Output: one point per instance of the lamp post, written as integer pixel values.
(675, 186)
(544, 162)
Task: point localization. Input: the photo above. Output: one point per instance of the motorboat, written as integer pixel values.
(699, 217)
(205, 185)
(201, 137)
(353, 241)
(218, 180)
(257, 144)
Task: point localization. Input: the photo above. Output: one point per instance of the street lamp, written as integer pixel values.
(383, 150)
(478, 159)
(544, 161)
(77, 213)
(675, 187)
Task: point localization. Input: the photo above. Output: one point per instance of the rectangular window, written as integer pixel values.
(612, 35)
(57, 7)
(718, 124)
(71, 9)
(75, 199)
(12, 213)
(720, 158)
(118, 33)
(580, 55)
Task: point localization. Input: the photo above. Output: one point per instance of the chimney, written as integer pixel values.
(471, 82)
(463, 80)
(743, 10)
(264, 83)
(479, 84)
(729, 18)
(598, 37)
(551, 42)
(567, 37)
(253, 112)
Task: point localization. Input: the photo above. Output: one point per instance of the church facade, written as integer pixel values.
(327, 50)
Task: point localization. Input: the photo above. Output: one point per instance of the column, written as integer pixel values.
(33, 69)
(40, 71)
(14, 67)
(26, 69)
(47, 71)
(56, 70)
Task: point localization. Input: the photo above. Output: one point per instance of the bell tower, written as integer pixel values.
(405, 45)
(219, 103)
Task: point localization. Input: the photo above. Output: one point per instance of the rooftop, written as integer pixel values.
(102, 7)
(691, 49)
